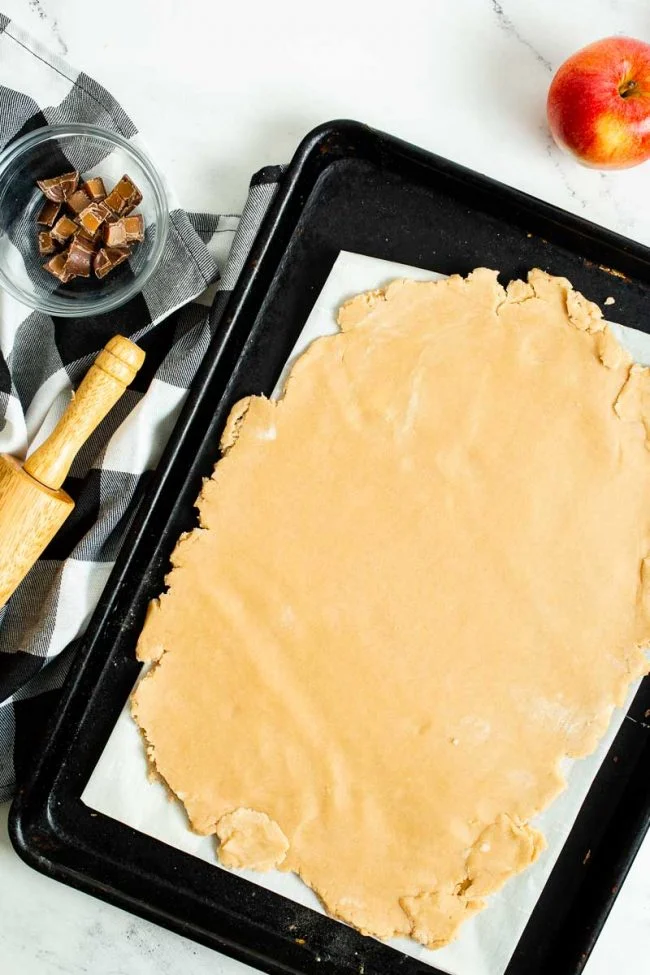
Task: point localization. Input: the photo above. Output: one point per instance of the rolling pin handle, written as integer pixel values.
(113, 370)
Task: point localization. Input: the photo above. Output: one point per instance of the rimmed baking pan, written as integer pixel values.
(348, 188)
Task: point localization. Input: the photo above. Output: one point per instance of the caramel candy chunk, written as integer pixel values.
(63, 228)
(124, 197)
(59, 188)
(116, 202)
(96, 231)
(127, 189)
(134, 227)
(49, 213)
(131, 206)
(118, 255)
(93, 217)
(78, 201)
(115, 234)
(94, 238)
(107, 258)
(102, 263)
(57, 266)
(80, 258)
(95, 189)
(46, 243)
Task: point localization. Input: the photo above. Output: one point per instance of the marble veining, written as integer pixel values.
(51, 22)
(507, 24)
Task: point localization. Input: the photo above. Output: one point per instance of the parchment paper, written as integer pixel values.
(119, 786)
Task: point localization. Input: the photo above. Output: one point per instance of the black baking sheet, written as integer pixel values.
(348, 188)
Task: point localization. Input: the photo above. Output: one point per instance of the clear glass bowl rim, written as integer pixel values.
(100, 304)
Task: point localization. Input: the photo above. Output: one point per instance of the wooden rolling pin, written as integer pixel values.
(32, 505)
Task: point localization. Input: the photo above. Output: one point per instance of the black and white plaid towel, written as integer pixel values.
(42, 359)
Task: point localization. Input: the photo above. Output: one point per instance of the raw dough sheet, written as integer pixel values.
(119, 786)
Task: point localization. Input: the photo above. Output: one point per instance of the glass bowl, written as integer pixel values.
(49, 152)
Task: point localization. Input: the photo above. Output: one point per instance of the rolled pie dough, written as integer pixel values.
(419, 582)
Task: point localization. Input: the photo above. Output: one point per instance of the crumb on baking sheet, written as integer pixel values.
(613, 272)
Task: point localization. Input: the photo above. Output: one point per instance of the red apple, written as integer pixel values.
(599, 103)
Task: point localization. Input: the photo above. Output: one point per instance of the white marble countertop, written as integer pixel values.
(220, 89)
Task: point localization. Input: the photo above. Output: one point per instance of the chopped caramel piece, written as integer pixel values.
(59, 188)
(94, 238)
(57, 266)
(115, 233)
(115, 202)
(97, 231)
(107, 258)
(78, 201)
(134, 227)
(63, 228)
(46, 243)
(118, 254)
(124, 197)
(131, 206)
(95, 189)
(49, 213)
(93, 217)
(80, 257)
(102, 263)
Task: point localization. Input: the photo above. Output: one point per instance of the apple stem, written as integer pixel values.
(627, 88)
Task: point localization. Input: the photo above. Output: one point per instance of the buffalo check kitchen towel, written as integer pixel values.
(42, 359)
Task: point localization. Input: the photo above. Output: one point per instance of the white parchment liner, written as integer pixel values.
(119, 786)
